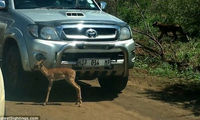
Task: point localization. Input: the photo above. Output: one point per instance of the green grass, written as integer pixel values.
(163, 69)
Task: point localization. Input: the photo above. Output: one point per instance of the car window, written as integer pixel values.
(55, 4)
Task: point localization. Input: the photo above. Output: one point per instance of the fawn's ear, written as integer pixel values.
(155, 23)
(41, 61)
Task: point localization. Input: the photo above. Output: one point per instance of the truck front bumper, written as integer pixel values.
(55, 50)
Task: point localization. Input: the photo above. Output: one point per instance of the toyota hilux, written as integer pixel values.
(68, 33)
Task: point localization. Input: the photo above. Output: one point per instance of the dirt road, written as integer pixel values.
(139, 101)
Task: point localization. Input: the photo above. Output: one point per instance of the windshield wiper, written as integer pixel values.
(61, 7)
(82, 8)
(51, 7)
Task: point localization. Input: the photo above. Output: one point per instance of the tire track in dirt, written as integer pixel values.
(132, 104)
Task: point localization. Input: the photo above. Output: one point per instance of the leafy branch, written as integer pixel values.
(149, 34)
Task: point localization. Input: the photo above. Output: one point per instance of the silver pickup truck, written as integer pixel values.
(68, 33)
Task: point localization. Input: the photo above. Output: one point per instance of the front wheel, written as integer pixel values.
(113, 83)
(12, 70)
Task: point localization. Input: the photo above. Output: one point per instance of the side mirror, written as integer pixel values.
(2, 4)
(103, 5)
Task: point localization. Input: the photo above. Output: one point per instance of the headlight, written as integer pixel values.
(49, 33)
(125, 33)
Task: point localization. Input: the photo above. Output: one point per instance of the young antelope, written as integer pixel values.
(56, 74)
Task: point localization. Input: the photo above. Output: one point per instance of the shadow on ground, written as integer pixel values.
(61, 92)
(186, 95)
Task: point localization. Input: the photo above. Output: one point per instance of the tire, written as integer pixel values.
(113, 84)
(13, 72)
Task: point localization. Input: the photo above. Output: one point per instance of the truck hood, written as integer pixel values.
(44, 15)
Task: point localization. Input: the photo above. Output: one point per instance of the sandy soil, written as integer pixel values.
(139, 101)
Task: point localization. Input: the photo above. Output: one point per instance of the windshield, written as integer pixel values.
(55, 4)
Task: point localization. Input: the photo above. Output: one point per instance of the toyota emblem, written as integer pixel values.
(91, 33)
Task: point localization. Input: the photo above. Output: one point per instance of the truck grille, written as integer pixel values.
(71, 57)
(100, 33)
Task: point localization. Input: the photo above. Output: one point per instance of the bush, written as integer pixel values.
(183, 12)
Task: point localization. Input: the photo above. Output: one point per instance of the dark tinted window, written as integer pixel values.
(55, 4)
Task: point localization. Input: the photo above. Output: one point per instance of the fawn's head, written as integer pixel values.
(38, 65)
(40, 60)
(155, 24)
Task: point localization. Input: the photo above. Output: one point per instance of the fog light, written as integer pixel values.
(40, 56)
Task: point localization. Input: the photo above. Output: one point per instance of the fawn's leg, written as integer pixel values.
(175, 36)
(78, 92)
(160, 37)
(48, 92)
(77, 88)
